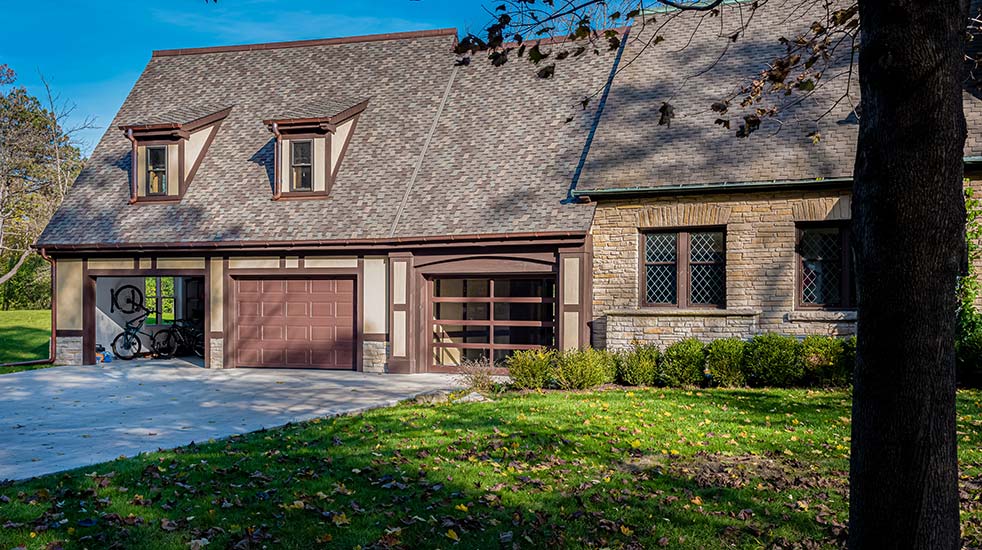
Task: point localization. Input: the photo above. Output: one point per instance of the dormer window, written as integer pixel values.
(310, 142)
(156, 171)
(301, 166)
(168, 150)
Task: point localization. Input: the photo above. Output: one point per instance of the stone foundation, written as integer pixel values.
(627, 327)
(68, 350)
(373, 356)
(217, 353)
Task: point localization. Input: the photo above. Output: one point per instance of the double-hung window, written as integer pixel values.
(825, 267)
(157, 170)
(301, 166)
(684, 269)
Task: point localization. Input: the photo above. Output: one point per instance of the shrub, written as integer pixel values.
(968, 359)
(773, 360)
(584, 369)
(477, 375)
(821, 356)
(724, 363)
(530, 369)
(842, 376)
(682, 363)
(638, 366)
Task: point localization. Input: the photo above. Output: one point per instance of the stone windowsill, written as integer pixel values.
(822, 316)
(675, 312)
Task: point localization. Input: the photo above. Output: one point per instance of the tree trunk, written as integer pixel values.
(908, 238)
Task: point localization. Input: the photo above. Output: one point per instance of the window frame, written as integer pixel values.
(158, 298)
(310, 166)
(847, 287)
(683, 298)
(150, 170)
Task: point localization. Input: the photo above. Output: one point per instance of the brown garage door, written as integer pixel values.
(295, 323)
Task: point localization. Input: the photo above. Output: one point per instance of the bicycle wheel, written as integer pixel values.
(128, 299)
(199, 344)
(127, 346)
(166, 343)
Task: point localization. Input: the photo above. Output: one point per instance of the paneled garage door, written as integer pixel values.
(295, 323)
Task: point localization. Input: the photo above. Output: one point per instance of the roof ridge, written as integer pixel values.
(305, 43)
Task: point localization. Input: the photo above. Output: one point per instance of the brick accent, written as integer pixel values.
(217, 351)
(760, 266)
(373, 356)
(68, 350)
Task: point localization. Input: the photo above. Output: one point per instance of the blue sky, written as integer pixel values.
(92, 52)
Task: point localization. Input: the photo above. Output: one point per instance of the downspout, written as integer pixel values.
(133, 168)
(277, 185)
(51, 347)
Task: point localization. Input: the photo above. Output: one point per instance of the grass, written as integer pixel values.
(24, 336)
(621, 468)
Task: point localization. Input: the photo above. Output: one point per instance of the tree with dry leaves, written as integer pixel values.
(903, 67)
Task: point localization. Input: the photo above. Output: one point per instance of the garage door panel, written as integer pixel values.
(294, 322)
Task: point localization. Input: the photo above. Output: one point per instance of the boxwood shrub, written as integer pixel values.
(638, 366)
(773, 360)
(584, 369)
(531, 369)
(724, 363)
(683, 363)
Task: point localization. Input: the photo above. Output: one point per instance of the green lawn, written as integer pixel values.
(24, 336)
(617, 469)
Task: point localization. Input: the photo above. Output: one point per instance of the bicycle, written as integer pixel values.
(127, 345)
(183, 335)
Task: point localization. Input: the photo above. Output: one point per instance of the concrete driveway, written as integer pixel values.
(65, 417)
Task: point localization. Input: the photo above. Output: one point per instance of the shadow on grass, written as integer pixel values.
(20, 343)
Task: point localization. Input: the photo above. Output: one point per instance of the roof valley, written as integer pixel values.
(422, 153)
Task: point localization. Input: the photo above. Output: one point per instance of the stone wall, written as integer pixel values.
(68, 350)
(760, 266)
(217, 353)
(373, 356)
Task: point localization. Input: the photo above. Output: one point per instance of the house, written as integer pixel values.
(372, 203)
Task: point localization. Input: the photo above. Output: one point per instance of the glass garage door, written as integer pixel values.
(474, 318)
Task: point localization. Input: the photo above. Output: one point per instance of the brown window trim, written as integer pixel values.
(846, 286)
(682, 271)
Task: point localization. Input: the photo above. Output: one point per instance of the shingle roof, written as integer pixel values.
(632, 151)
(322, 107)
(182, 114)
(499, 160)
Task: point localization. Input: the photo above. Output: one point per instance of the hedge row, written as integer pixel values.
(767, 360)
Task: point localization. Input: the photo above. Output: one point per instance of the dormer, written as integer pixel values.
(167, 151)
(310, 144)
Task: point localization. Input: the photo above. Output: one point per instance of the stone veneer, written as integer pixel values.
(760, 266)
(217, 353)
(373, 356)
(68, 350)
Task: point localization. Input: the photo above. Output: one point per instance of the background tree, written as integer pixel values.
(906, 65)
(39, 160)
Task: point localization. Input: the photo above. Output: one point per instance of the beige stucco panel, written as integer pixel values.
(399, 283)
(269, 262)
(292, 262)
(111, 263)
(341, 137)
(320, 157)
(329, 262)
(571, 330)
(399, 333)
(215, 296)
(146, 263)
(141, 171)
(173, 170)
(571, 281)
(194, 146)
(180, 263)
(68, 290)
(285, 165)
(375, 303)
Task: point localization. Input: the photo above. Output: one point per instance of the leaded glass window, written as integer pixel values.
(824, 267)
(684, 269)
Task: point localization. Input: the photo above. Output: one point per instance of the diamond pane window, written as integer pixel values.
(824, 272)
(684, 269)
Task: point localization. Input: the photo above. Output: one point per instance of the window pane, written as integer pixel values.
(455, 356)
(536, 336)
(302, 180)
(524, 288)
(523, 312)
(821, 266)
(707, 268)
(707, 247)
(157, 158)
(301, 152)
(661, 247)
(156, 182)
(460, 334)
(660, 284)
(461, 312)
(462, 288)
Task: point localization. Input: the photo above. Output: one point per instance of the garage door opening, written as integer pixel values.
(489, 318)
(294, 323)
